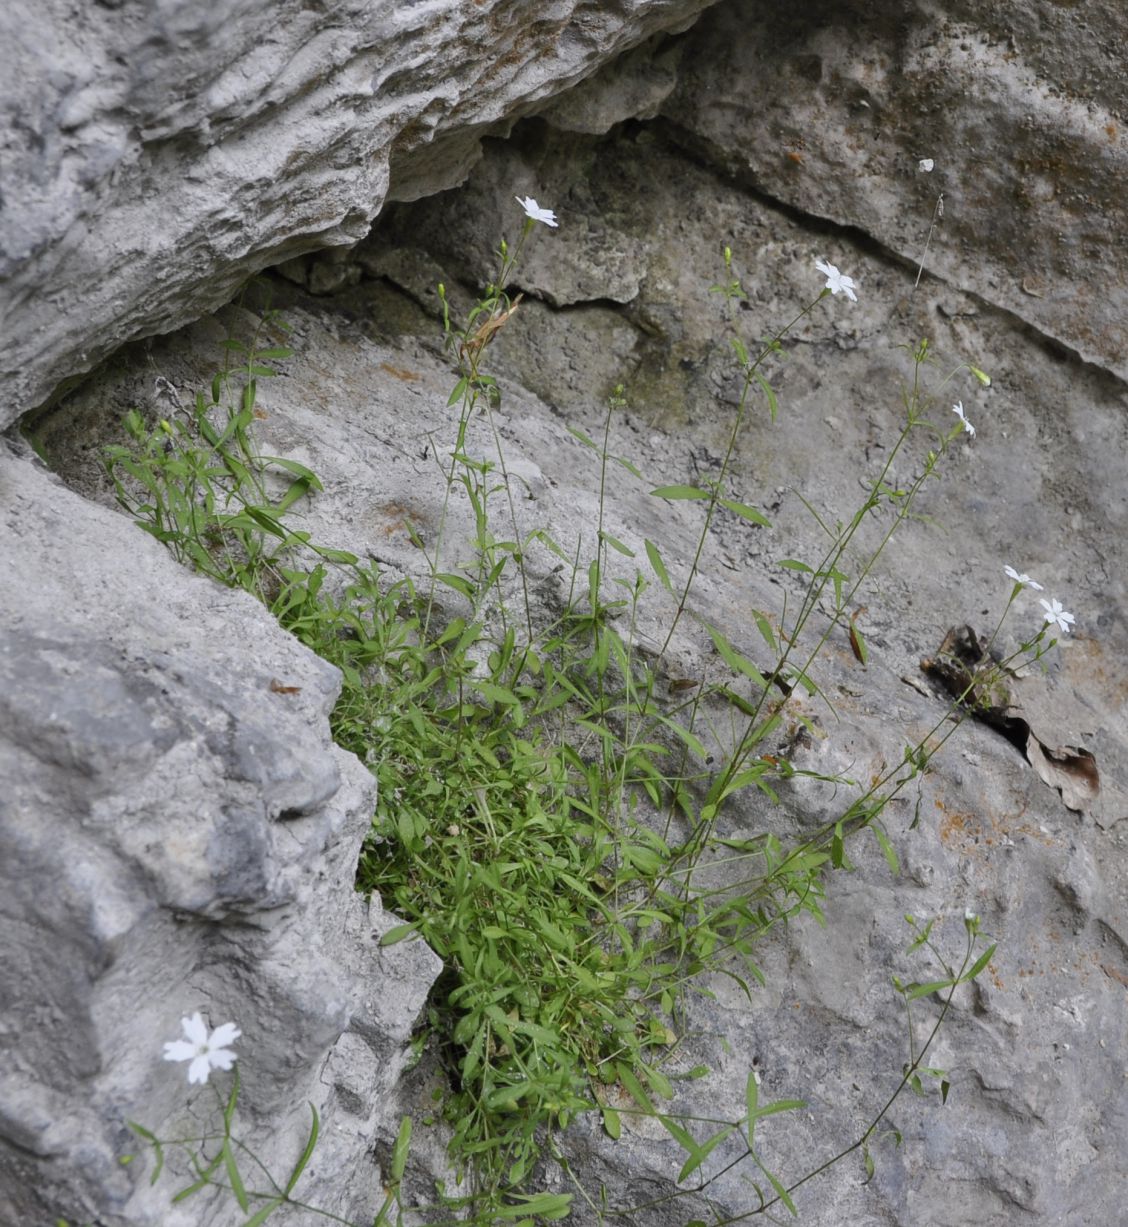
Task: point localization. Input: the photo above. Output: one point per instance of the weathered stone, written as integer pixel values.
(155, 156)
(369, 413)
(831, 107)
(620, 293)
(175, 836)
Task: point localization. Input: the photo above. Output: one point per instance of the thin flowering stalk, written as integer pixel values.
(751, 376)
(864, 809)
(498, 308)
(824, 574)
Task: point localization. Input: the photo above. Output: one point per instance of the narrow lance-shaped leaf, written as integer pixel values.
(659, 566)
(307, 1152)
(680, 492)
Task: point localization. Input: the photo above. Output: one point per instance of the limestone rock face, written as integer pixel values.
(175, 836)
(154, 155)
(1021, 109)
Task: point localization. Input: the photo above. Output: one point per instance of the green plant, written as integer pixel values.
(222, 1170)
(544, 801)
(199, 484)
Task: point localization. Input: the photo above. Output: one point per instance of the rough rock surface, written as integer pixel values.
(364, 404)
(619, 294)
(152, 156)
(174, 837)
(1022, 109)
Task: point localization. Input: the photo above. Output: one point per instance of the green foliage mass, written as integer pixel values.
(547, 814)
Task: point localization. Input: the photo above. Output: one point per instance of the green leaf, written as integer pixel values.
(914, 991)
(276, 351)
(659, 566)
(153, 1141)
(457, 583)
(611, 1122)
(304, 1158)
(298, 470)
(703, 1151)
(399, 1151)
(782, 1105)
(886, 847)
(550, 1206)
(579, 434)
(205, 1175)
(260, 1216)
(979, 964)
(773, 404)
(765, 629)
(676, 492)
(784, 1196)
(751, 1104)
(734, 660)
(457, 394)
(616, 544)
(342, 556)
(234, 1177)
(658, 1081)
(680, 1135)
(793, 564)
(397, 934)
(745, 512)
(267, 522)
(634, 1087)
(497, 694)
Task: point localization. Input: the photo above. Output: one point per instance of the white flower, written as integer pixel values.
(206, 1053)
(1056, 616)
(926, 165)
(836, 282)
(958, 410)
(969, 915)
(1023, 579)
(533, 210)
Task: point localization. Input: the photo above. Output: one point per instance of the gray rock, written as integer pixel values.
(369, 414)
(831, 107)
(154, 157)
(620, 294)
(175, 837)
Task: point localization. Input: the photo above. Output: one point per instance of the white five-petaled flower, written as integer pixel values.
(1023, 579)
(205, 1052)
(836, 282)
(1056, 616)
(533, 210)
(925, 165)
(958, 410)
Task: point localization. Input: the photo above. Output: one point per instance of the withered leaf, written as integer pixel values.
(963, 667)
